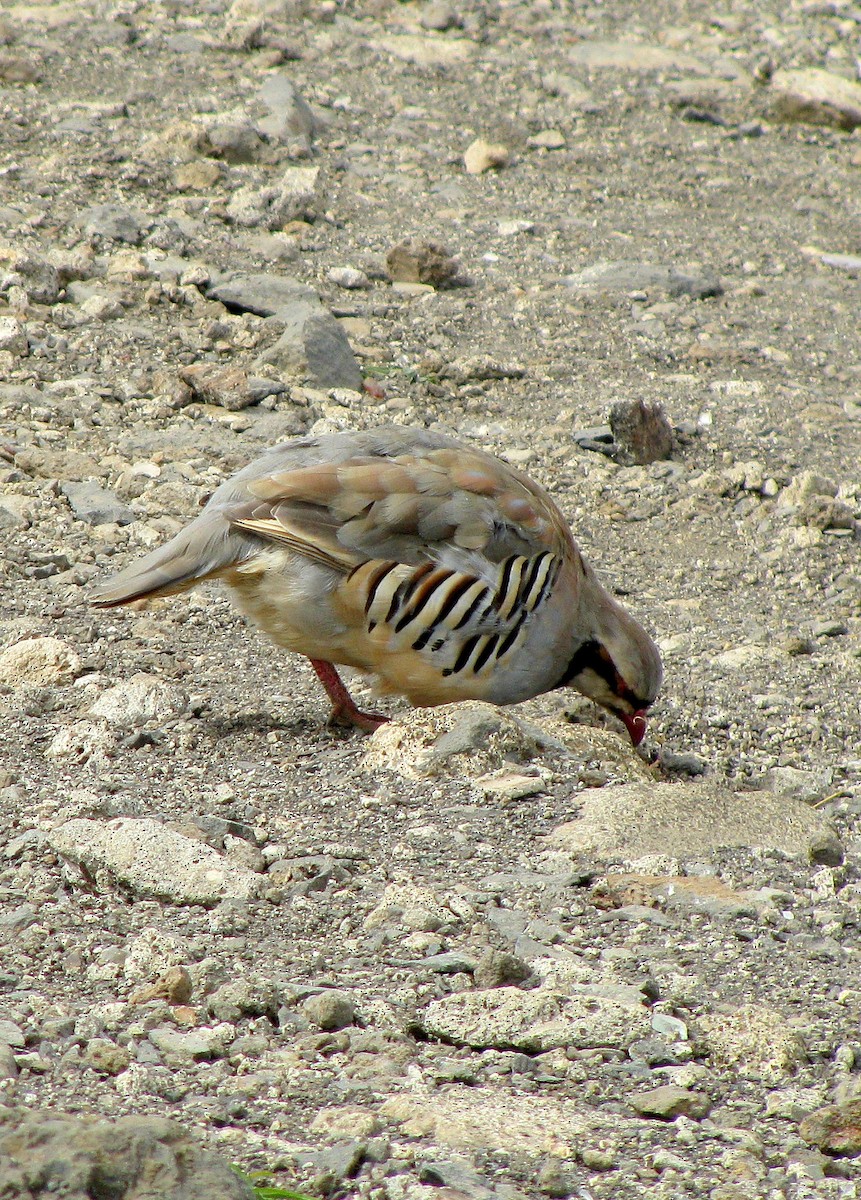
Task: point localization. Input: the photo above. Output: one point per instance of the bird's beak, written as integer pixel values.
(635, 723)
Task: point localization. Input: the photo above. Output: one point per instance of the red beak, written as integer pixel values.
(635, 723)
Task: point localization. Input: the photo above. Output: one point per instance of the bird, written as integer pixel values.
(438, 569)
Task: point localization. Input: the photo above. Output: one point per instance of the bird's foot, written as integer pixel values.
(351, 715)
(344, 709)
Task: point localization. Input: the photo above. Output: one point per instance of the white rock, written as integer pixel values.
(152, 860)
(139, 701)
(348, 277)
(153, 952)
(39, 662)
(13, 336)
(481, 156)
(83, 741)
(534, 1021)
(817, 97)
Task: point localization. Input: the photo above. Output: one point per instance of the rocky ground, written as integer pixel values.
(482, 954)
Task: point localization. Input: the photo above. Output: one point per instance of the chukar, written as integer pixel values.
(444, 572)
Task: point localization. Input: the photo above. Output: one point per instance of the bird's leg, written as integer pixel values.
(344, 710)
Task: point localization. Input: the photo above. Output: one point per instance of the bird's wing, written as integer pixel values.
(444, 504)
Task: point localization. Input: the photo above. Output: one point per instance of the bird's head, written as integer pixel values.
(618, 666)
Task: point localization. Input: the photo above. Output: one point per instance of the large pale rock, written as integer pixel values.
(152, 860)
(487, 1119)
(473, 740)
(817, 98)
(633, 820)
(39, 662)
(141, 700)
(534, 1021)
(752, 1041)
(137, 1158)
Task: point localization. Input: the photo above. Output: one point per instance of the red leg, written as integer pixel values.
(344, 711)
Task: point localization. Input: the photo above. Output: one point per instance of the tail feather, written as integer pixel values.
(198, 552)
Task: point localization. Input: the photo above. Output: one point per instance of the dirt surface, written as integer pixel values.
(348, 896)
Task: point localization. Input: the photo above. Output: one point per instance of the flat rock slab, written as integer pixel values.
(632, 820)
(153, 860)
(817, 97)
(465, 1119)
(534, 1021)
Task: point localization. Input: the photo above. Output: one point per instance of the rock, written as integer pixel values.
(627, 276)
(596, 54)
(151, 860)
(114, 222)
(35, 276)
(415, 261)
(233, 140)
(631, 820)
(105, 1056)
(291, 120)
(46, 1152)
(82, 741)
(39, 662)
(95, 505)
(496, 968)
(483, 1119)
(534, 1022)
(834, 1129)
(474, 740)
(753, 1041)
(669, 1102)
(297, 196)
(481, 156)
(348, 277)
(228, 387)
(16, 512)
(13, 337)
(314, 348)
(250, 996)
(174, 986)
(141, 700)
(330, 1010)
(263, 293)
(642, 430)
(427, 50)
(817, 97)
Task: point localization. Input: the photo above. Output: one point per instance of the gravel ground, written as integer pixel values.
(493, 953)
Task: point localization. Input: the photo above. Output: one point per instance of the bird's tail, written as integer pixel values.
(198, 552)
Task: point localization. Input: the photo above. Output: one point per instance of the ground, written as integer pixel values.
(656, 137)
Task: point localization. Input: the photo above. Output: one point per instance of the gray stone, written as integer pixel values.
(291, 120)
(95, 505)
(330, 1010)
(496, 968)
(38, 278)
(314, 348)
(114, 222)
(670, 1101)
(137, 1158)
(151, 860)
(630, 820)
(627, 276)
(296, 197)
(262, 293)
